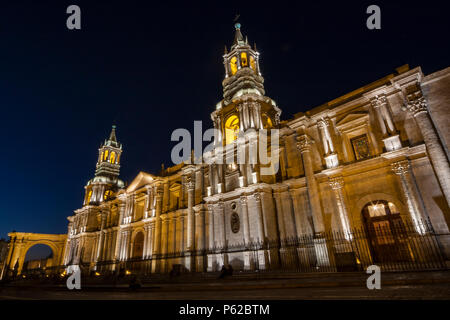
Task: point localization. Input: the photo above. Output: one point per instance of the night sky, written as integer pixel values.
(151, 68)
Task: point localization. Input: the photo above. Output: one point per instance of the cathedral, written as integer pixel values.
(376, 158)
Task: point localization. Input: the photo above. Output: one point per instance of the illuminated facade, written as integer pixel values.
(377, 156)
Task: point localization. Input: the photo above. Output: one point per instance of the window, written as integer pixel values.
(112, 158)
(89, 197)
(108, 194)
(267, 122)
(233, 65)
(106, 155)
(244, 62)
(252, 63)
(231, 129)
(361, 147)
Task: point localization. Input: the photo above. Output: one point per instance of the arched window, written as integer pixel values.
(244, 62)
(101, 157)
(105, 156)
(252, 63)
(267, 122)
(231, 129)
(89, 197)
(107, 195)
(233, 65)
(112, 157)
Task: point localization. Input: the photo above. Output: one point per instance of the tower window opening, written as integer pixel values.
(233, 65)
(89, 197)
(267, 122)
(231, 129)
(105, 156)
(244, 61)
(112, 157)
(252, 63)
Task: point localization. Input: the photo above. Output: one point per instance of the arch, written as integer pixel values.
(138, 243)
(252, 63)
(386, 232)
(112, 157)
(267, 122)
(231, 128)
(363, 201)
(105, 156)
(21, 242)
(44, 259)
(244, 61)
(233, 65)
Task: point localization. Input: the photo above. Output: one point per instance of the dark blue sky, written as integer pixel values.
(152, 68)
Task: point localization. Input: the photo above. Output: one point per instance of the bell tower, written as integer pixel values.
(106, 181)
(239, 117)
(244, 105)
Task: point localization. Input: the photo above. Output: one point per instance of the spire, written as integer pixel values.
(112, 136)
(238, 38)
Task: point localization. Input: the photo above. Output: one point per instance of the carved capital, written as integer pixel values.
(378, 101)
(159, 193)
(415, 101)
(323, 123)
(190, 185)
(304, 143)
(400, 167)
(336, 183)
(257, 197)
(220, 205)
(244, 200)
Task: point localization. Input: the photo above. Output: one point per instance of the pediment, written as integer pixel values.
(141, 180)
(352, 117)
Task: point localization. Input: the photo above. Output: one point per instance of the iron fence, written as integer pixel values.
(395, 247)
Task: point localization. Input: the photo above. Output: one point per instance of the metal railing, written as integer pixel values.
(393, 247)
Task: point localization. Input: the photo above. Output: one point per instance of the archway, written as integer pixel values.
(21, 242)
(138, 245)
(387, 235)
(37, 258)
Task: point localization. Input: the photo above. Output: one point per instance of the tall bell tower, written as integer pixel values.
(243, 111)
(106, 181)
(244, 105)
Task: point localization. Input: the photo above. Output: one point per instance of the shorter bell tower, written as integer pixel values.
(106, 181)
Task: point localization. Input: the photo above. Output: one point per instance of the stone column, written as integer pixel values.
(391, 138)
(223, 241)
(100, 240)
(262, 254)
(191, 222)
(166, 197)
(144, 254)
(280, 217)
(245, 221)
(157, 240)
(190, 242)
(402, 169)
(337, 183)
(246, 230)
(330, 155)
(148, 203)
(260, 218)
(200, 224)
(304, 145)
(164, 242)
(417, 106)
(211, 244)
